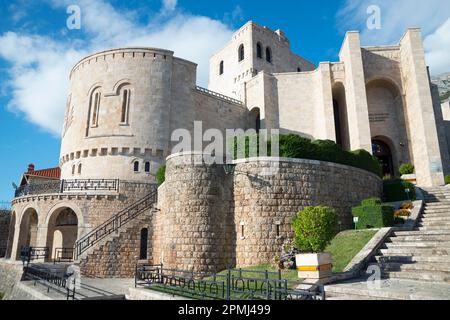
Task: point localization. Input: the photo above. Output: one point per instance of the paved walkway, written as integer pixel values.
(396, 289)
(101, 289)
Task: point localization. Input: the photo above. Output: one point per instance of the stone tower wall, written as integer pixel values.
(211, 220)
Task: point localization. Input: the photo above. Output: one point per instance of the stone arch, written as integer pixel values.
(340, 115)
(28, 229)
(11, 232)
(119, 84)
(63, 230)
(386, 153)
(388, 118)
(255, 119)
(93, 88)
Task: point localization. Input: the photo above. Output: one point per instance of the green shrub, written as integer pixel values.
(314, 228)
(406, 168)
(447, 179)
(295, 146)
(161, 175)
(394, 190)
(373, 214)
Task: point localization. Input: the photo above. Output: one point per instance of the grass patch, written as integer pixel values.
(346, 245)
(1, 296)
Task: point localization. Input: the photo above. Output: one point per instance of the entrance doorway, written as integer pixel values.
(382, 151)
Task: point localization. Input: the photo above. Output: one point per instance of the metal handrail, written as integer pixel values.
(63, 254)
(115, 222)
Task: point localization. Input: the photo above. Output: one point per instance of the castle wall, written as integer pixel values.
(5, 220)
(236, 72)
(91, 210)
(212, 220)
(108, 148)
(445, 109)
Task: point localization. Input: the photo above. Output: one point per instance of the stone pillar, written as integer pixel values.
(324, 121)
(15, 254)
(419, 107)
(355, 92)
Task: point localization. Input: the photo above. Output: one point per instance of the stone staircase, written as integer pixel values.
(116, 255)
(414, 264)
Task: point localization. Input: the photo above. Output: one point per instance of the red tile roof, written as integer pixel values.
(52, 173)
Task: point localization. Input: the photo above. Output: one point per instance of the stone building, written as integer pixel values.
(124, 104)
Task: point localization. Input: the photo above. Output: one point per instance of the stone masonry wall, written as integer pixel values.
(5, 219)
(265, 206)
(212, 220)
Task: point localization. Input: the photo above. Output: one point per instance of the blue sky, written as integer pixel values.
(37, 50)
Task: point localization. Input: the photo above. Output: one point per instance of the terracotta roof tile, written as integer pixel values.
(52, 173)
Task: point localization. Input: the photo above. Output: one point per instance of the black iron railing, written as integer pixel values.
(115, 222)
(51, 280)
(231, 284)
(90, 185)
(28, 254)
(63, 255)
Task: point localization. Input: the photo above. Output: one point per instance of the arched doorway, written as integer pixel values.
(62, 233)
(382, 151)
(340, 116)
(255, 119)
(11, 232)
(28, 230)
(144, 244)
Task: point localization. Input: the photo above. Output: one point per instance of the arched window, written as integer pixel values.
(299, 69)
(79, 168)
(268, 55)
(94, 107)
(147, 166)
(126, 97)
(241, 52)
(73, 169)
(136, 166)
(221, 68)
(144, 244)
(259, 51)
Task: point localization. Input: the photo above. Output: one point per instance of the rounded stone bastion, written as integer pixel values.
(212, 220)
(117, 122)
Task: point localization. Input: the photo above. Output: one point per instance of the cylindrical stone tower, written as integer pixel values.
(118, 113)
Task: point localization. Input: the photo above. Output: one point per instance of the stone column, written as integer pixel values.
(419, 107)
(324, 120)
(355, 92)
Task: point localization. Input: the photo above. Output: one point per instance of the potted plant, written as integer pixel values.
(314, 228)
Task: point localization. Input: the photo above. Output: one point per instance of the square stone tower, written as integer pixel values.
(252, 49)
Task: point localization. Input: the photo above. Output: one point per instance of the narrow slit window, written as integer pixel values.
(242, 231)
(136, 166)
(126, 97)
(147, 167)
(79, 168)
(278, 230)
(95, 109)
(221, 68)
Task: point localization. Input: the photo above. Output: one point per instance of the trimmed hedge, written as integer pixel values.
(394, 190)
(314, 228)
(447, 180)
(373, 214)
(406, 168)
(161, 175)
(297, 147)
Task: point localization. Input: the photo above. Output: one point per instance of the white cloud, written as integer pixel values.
(396, 16)
(40, 65)
(169, 5)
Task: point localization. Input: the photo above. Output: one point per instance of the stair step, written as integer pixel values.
(438, 228)
(436, 214)
(427, 218)
(416, 244)
(416, 251)
(432, 276)
(417, 266)
(421, 238)
(422, 232)
(411, 259)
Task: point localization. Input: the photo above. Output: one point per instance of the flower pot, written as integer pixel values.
(314, 265)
